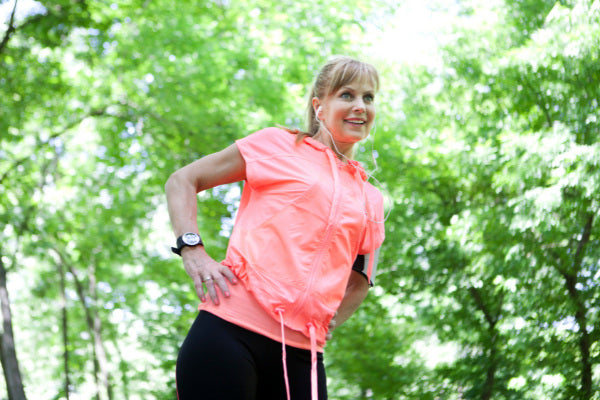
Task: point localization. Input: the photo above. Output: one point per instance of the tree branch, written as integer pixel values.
(585, 238)
(491, 320)
(11, 28)
(20, 161)
(541, 104)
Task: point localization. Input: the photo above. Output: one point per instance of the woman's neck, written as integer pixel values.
(343, 151)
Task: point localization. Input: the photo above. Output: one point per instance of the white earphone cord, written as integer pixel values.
(369, 174)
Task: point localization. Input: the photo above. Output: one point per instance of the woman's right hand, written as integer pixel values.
(205, 271)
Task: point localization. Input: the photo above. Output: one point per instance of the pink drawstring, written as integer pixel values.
(313, 360)
(283, 354)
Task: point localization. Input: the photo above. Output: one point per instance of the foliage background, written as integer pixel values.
(487, 149)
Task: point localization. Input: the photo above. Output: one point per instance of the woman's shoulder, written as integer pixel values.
(373, 194)
(269, 139)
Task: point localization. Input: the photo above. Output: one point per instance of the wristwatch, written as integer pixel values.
(187, 239)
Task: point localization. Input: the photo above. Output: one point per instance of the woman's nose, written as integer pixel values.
(359, 106)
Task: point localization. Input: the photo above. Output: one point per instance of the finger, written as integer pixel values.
(192, 271)
(221, 282)
(332, 324)
(210, 288)
(199, 286)
(328, 336)
(228, 274)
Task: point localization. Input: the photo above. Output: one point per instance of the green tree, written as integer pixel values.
(500, 197)
(100, 102)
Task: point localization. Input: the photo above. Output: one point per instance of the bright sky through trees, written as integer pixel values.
(410, 35)
(413, 32)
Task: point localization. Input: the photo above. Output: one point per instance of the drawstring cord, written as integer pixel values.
(313, 361)
(283, 353)
(311, 326)
(313, 357)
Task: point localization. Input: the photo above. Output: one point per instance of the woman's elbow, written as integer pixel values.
(173, 181)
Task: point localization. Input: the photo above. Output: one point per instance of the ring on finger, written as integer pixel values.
(207, 279)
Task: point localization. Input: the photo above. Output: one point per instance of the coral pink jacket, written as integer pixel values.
(304, 216)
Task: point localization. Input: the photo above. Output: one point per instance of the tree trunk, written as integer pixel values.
(488, 386)
(581, 311)
(491, 318)
(65, 332)
(100, 361)
(123, 366)
(8, 354)
(97, 331)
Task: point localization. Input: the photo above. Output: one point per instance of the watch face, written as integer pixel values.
(190, 239)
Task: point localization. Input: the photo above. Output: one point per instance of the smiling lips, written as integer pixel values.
(356, 121)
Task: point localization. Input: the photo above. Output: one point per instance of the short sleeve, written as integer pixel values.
(263, 152)
(374, 233)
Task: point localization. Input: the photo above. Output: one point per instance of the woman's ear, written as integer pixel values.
(316, 103)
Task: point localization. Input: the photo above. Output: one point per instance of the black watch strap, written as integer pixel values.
(187, 239)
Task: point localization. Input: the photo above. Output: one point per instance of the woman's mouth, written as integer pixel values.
(356, 121)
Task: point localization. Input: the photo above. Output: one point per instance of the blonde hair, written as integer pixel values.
(336, 73)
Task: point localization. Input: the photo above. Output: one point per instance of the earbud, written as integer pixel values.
(319, 112)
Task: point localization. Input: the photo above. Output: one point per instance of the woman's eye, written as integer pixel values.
(369, 98)
(346, 95)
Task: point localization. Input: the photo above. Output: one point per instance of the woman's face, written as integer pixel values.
(348, 113)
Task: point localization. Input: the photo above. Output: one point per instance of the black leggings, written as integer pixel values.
(220, 360)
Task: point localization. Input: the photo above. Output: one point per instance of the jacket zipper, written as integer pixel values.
(335, 208)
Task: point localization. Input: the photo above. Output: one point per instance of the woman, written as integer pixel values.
(302, 250)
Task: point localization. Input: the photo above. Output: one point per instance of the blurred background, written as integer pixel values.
(486, 146)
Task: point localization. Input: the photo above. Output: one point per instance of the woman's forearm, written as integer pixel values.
(181, 204)
(356, 291)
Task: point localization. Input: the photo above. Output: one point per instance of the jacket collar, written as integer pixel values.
(351, 165)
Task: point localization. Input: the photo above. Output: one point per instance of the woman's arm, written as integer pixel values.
(356, 291)
(182, 187)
